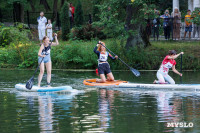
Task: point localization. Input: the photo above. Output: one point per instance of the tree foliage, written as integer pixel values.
(126, 19)
(65, 21)
(196, 16)
(78, 15)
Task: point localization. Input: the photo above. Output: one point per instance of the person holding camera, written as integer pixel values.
(166, 24)
(103, 65)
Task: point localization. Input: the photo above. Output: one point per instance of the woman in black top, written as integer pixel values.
(103, 65)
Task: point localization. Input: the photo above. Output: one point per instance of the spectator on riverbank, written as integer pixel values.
(176, 15)
(166, 24)
(156, 25)
(71, 14)
(188, 24)
(41, 26)
(49, 30)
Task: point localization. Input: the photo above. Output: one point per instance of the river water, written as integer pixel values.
(98, 109)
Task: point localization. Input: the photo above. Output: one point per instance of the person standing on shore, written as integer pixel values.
(176, 15)
(41, 26)
(188, 24)
(166, 24)
(71, 15)
(49, 30)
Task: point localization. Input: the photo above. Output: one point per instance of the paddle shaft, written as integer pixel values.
(181, 69)
(181, 62)
(118, 57)
(38, 67)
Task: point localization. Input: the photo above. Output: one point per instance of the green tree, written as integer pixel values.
(127, 20)
(96, 11)
(65, 21)
(78, 15)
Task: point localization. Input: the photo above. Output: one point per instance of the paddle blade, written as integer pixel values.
(135, 72)
(29, 83)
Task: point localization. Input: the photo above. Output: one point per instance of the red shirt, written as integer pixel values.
(167, 64)
(72, 11)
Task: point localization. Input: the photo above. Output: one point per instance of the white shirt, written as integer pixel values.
(49, 26)
(41, 22)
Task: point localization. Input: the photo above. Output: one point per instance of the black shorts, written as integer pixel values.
(104, 68)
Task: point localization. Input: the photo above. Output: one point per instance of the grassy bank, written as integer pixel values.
(79, 55)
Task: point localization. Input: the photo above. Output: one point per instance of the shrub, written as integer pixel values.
(13, 35)
(78, 15)
(87, 32)
(65, 21)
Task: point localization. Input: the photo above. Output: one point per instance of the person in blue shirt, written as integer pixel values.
(166, 24)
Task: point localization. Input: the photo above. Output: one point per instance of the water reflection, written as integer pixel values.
(46, 104)
(98, 110)
(45, 109)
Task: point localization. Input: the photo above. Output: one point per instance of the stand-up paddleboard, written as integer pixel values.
(22, 87)
(159, 86)
(92, 82)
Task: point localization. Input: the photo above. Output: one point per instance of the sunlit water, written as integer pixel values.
(97, 110)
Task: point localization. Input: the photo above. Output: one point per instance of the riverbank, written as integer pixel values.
(80, 55)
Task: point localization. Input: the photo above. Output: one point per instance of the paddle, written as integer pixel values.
(29, 83)
(134, 71)
(181, 67)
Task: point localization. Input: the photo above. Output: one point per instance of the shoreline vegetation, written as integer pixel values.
(80, 55)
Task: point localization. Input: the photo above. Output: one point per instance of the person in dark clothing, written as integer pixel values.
(166, 24)
(156, 25)
(103, 65)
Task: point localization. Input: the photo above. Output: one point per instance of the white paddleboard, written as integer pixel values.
(22, 87)
(159, 86)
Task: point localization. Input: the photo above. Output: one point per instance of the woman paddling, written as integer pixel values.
(103, 65)
(167, 63)
(44, 52)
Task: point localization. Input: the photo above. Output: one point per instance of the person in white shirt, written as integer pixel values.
(49, 30)
(41, 26)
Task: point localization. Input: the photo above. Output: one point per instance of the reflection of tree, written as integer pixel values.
(85, 113)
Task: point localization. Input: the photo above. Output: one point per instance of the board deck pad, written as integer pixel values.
(22, 87)
(159, 86)
(92, 82)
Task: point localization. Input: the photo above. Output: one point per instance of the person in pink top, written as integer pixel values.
(167, 63)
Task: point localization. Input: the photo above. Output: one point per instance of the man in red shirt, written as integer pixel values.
(71, 14)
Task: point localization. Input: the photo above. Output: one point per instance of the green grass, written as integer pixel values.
(80, 55)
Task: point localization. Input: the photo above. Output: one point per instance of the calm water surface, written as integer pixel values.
(95, 109)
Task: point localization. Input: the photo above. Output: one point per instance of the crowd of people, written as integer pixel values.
(172, 24)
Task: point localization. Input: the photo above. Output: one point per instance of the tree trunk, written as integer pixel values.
(32, 5)
(137, 34)
(55, 10)
(46, 5)
(21, 13)
(18, 12)
(62, 3)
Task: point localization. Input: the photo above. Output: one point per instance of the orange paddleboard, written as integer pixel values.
(92, 82)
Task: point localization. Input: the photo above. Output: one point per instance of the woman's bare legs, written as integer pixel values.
(48, 67)
(102, 80)
(110, 77)
(41, 74)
